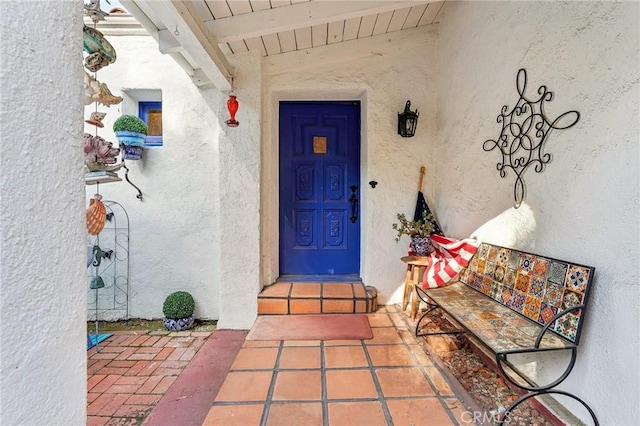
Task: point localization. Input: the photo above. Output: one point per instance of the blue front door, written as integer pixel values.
(319, 188)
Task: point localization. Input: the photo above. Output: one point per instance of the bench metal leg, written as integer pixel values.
(533, 390)
(501, 358)
(523, 398)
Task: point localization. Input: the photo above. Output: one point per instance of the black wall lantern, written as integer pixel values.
(407, 121)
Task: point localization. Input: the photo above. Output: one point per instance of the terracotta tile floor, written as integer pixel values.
(194, 378)
(293, 298)
(388, 380)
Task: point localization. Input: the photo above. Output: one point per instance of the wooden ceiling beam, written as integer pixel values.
(297, 16)
(183, 30)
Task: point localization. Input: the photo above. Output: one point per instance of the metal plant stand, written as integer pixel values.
(109, 300)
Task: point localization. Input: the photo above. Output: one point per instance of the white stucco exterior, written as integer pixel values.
(174, 231)
(218, 199)
(209, 220)
(382, 72)
(42, 256)
(584, 206)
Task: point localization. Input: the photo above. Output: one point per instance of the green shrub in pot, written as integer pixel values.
(178, 311)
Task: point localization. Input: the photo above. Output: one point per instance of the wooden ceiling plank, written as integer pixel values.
(257, 5)
(219, 9)
(280, 3)
(303, 38)
(296, 16)
(398, 19)
(415, 14)
(382, 23)
(200, 8)
(256, 43)
(239, 7)
(271, 44)
(431, 13)
(224, 48)
(439, 13)
(238, 46)
(287, 41)
(351, 28)
(319, 35)
(366, 26)
(335, 32)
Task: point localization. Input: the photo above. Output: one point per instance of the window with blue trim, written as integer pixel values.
(151, 113)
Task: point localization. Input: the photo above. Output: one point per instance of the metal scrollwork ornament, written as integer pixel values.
(525, 129)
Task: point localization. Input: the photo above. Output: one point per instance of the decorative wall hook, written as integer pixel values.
(524, 132)
(126, 176)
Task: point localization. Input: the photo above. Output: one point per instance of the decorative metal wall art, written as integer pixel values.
(525, 129)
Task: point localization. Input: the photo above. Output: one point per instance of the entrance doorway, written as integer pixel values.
(320, 189)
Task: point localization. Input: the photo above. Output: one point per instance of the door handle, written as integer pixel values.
(354, 204)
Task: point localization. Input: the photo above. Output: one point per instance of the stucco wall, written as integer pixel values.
(584, 206)
(383, 72)
(42, 255)
(173, 232)
(240, 183)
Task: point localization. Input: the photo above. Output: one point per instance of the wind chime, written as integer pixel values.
(100, 155)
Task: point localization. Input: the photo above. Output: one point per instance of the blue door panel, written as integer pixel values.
(319, 162)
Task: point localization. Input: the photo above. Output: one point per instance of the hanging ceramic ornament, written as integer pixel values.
(94, 42)
(96, 119)
(96, 215)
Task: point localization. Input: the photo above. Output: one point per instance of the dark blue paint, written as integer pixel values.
(316, 235)
(143, 113)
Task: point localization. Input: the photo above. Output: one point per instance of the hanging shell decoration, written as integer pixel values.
(94, 42)
(99, 154)
(98, 92)
(96, 215)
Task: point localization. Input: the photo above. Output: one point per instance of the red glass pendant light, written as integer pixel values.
(232, 106)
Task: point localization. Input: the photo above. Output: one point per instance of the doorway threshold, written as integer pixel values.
(347, 278)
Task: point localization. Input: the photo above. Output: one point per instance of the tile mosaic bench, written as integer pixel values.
(514, 303)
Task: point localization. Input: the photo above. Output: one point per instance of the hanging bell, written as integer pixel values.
(96, 282)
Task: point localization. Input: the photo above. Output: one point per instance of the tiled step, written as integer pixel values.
(285, 298)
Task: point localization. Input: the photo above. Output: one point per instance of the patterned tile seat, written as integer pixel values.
(517, 302)
(497, 326)
(505, 297)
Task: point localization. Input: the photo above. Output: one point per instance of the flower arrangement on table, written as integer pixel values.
(418, 230)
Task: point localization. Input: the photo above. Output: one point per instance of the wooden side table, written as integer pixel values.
(415, 271)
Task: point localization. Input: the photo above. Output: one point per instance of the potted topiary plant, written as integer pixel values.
(178, 311)
(418, 230)
(131, 132)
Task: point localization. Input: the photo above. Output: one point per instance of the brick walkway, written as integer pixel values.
(133, 370)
